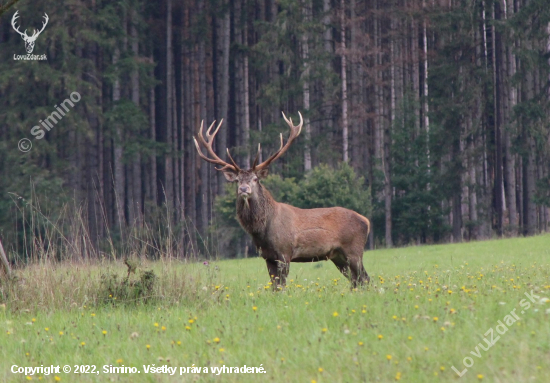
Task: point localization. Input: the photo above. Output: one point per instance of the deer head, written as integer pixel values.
(29, 40)
(248, 180)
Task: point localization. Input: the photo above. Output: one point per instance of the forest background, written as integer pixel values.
(430, 117)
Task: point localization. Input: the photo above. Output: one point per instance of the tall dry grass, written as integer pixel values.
(48, 286)
(59, 263)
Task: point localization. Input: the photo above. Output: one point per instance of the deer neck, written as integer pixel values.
(255, 215)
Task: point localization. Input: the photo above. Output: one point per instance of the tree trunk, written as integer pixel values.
(531, 164)
(203, 222)
(223, 89)
(136, 162)
(328, 40)
(510, 156)
(238, 78)
(425, 93)
(457, 192)
(168, 159)
(246, 98)
(4, 261)
(152, 182)
(472, 194)
(497, 59)
(377, 119)
(118, 164)
(548, 54)
(392, 74)
(181, 129)
(191, 123)
(531, 169)
(174, 145)
(359, 150)
(306, 10)
(345, 156)
(416, 76)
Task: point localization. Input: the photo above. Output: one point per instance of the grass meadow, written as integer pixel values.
(426, 309)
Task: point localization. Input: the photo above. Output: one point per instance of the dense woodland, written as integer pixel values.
(440, 107)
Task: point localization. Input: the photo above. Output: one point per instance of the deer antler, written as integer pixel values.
(13, 19)
(294, 132)
(208, 145)
(44, 23)
(24, 34)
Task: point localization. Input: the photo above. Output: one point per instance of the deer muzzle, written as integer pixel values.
(244, 191)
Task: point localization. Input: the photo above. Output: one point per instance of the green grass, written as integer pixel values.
(316, 330)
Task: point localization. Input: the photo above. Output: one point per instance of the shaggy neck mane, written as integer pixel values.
(255, 216)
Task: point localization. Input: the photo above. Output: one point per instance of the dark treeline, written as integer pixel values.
(442, 107)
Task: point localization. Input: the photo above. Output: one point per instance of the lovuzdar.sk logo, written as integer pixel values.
(29, 40)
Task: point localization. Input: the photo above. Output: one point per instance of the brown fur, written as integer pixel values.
(285, 233)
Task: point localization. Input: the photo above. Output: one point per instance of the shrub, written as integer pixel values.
(116, 289)
(326, 187)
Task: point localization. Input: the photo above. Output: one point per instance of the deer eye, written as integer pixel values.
(255, 179)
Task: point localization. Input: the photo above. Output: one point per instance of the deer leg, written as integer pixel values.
(273, 272)
(359, 274)
(278, 271)
(343, 265)
(283, 268)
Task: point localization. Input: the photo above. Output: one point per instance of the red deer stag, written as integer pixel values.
(284, 233)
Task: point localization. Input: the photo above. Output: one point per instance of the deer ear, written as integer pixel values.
(262, 173)
(230, 176)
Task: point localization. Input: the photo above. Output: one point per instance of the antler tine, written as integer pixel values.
(231, 158)
(44, 23)
(294, 132)
(292, 127)
(208, 145)
(16, 28)
(208, 135)
(257, 157)
(201, 137)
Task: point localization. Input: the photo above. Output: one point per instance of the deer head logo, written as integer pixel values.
(29, 40)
